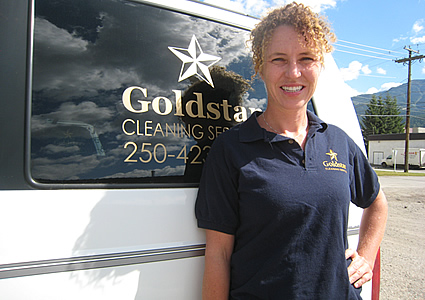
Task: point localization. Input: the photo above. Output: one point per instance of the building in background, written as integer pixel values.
(381, 145)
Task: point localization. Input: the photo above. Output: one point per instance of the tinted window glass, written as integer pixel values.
(126, 92)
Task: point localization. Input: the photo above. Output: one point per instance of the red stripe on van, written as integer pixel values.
(376, 279)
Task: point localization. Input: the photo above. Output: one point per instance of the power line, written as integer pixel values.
(366, 55)
(370, 47)
(361, 115)
(375, 52)
(377, 76)
(386, 59)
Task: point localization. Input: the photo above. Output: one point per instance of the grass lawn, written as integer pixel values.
(392, 173)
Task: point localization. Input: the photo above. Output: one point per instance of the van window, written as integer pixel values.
(127, 92)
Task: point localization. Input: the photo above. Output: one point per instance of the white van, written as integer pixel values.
(416, 157)
(108, 109)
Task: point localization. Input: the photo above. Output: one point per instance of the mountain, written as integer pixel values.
(417, 101)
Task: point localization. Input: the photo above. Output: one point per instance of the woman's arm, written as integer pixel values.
(218, 253)
(372, 230)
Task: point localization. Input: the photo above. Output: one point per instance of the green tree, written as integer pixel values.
(373, 121)
(393, 122)
(382, 117)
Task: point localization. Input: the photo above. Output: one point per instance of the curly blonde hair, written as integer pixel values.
(313, 28)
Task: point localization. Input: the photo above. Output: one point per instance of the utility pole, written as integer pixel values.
(409, 61)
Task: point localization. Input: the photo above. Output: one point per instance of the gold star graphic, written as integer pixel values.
(332, 155)
(195, 61)
(67, 134)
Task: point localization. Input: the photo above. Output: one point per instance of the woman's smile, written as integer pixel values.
(292, 89)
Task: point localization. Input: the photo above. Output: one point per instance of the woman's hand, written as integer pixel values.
(360, 270)
(372, 230)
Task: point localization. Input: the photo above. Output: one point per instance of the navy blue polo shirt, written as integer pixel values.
(287, 208)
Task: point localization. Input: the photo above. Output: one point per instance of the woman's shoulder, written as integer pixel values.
(334, 130)
(341, 137)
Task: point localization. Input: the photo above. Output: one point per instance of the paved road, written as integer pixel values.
(416, 182)
(402, 250)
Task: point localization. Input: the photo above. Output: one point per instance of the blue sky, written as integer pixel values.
(376, 31)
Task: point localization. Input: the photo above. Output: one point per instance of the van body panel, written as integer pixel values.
(182, 280)
(78, 223)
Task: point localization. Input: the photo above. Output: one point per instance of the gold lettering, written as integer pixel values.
(226, 107)
(138, 128)
(147, 127)
(126, 100)
(333, 165)
(168, 106)
(124, 128)
(200, 107)
(183, 130)
(214, 111)
(210, 130)
(178, 103)
(158, 128)
(193, 108)
(200, 134)
(241, 114)
(173, 131)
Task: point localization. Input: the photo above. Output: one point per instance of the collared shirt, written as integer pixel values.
(287, 207)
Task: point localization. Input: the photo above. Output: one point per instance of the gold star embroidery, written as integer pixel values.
(332, 155)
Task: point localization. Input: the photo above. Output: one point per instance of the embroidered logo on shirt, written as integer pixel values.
(332, 155)
(333, 164)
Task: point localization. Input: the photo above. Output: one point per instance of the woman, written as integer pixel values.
(275, 191)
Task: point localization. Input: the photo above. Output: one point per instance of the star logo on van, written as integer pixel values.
(332, 155)
(195, 61)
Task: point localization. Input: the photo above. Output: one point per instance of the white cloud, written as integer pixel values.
(60, 40)
(167, 171)
(251, 7)
(423, 70)
(366, 70)
(60, 149)
(316, 5)
(260, 7)
(354, 70)
(400, 39)
(416, 35)
(381, 71)
(255, 103)
(388, 85)
(372, 90)
(418, 40)
(384, 87)
(418, 27)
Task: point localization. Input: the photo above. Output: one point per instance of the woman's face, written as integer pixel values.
(290, 70)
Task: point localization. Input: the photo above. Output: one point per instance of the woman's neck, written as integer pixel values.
(287, 123)
(293, 125)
